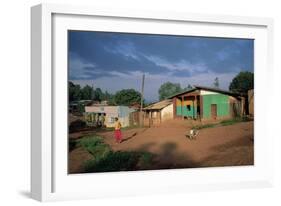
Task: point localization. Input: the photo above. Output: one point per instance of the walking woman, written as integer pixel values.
(117, 132)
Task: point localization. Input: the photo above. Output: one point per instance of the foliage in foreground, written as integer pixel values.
(95, 146)
(119, 161)
(106, 160)
(113, 161)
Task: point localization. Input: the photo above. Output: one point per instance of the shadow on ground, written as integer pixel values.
(168, 157)
(130, 137)
(237, 152)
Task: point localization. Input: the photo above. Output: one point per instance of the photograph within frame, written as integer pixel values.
(50, 177)
(150, 102)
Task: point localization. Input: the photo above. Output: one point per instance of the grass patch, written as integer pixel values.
(229, 122)
(90, 141)
(204, 126)
(233, 121)
(104, 129)
(133, 127)
(95, 146)
(222, 123)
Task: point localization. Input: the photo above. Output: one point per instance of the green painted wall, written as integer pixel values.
(178, 110)
(222, 102)
(182, 111)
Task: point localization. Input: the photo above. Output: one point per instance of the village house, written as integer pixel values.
(251, 102)
(158, 112)
(206, 103)
(104, 115)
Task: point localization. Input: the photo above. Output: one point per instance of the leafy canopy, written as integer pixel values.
(127, 97)
(76, 93)
(168, 89)
(243, 82)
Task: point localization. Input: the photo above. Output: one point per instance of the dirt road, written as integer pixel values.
(220, 146)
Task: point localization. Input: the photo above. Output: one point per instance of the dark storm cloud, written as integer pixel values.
(157, 53)
(115, 61)
(102, 50)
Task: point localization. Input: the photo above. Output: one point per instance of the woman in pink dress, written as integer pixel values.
(117, 131)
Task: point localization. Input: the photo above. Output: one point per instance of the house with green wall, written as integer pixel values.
(206, 103)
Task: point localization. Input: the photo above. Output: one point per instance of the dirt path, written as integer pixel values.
(219, 146)
(226, 145)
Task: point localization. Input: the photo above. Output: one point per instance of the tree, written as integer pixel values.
(109, 98)
(188, 87)
(127, 97)
(98, 95)
(168, 89)
(87, 93)
(74, 91)
(77, 93)
(242, 82)
(216, 83)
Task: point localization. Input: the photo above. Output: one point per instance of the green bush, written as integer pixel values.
(105, 160)
(145, 160)
(113, 161)
(95, 146)
(90, 141)
(119, 161)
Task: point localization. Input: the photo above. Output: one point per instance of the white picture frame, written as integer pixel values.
(49, 179)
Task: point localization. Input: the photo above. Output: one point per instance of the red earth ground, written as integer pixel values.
(231, 145)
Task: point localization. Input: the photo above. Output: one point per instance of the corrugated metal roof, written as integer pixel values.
(217, 90)
(180, 93)
(208, 89)
(159, 105)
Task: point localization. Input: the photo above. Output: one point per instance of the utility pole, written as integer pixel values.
(142, 88)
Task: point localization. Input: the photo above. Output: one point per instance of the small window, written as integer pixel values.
(111, 120)
(188, 107)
